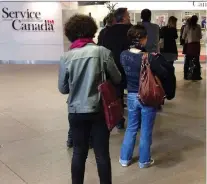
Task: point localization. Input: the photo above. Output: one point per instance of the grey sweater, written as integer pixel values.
(80, 73)
(152, 37)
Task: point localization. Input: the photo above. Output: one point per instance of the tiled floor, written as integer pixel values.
(33, 130)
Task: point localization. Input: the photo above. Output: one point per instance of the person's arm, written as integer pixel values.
(200, 32)
(184, 35)
(63, 77)
(181, 33)
(175, 34)
(161, 33)
(112, 70)
(157, 41)
(181, 30)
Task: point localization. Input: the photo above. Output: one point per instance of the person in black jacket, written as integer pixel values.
(115, 39)
(169, 34)
(109, 21)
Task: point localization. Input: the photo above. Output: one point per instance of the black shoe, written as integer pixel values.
(120, 126)
(185, 78)
(125, 106)
(159, 108)
(197, 79)
(69, 144)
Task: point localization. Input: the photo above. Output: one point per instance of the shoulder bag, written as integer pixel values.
(112, 105)
(151, 92)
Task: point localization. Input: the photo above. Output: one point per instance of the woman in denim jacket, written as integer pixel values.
(80, 74)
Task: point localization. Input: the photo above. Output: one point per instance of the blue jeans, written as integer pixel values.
(138, 115)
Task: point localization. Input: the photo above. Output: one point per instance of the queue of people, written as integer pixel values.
(121, 48)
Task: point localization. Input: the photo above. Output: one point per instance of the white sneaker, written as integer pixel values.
(124, 164)
(147, 164)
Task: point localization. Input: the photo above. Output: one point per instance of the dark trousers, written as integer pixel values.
(70, 140)
(197, 70)
(120, 124)
(186, 66)
(82, 125)
(70, 136)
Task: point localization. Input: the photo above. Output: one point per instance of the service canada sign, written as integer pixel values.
(30, 21)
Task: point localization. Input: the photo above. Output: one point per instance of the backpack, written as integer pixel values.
(151, 92)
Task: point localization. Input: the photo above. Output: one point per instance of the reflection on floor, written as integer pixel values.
(33, 129)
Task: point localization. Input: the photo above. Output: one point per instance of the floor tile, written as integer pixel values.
(7, 176)
(11, 130)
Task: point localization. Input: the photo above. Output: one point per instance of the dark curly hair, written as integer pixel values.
(80, 26)
(137, 32)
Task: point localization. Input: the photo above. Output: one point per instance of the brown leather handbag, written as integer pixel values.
(151, 92)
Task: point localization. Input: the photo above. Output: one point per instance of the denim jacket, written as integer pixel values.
(80, 73)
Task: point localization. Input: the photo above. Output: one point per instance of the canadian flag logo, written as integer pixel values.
(51, 21)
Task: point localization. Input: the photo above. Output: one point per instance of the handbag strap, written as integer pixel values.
(145, 59)
(103, 71)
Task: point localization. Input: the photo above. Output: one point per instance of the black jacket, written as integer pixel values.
(169, 35)
(166, 73)
(101, 35)
(115, 39)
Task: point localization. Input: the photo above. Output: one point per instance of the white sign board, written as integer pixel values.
(163, 5)
(31, 31)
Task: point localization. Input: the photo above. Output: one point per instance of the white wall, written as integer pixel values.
(98, 12)
(66, 15)
(31, 45)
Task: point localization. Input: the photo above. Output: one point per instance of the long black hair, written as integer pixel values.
(193, 22)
